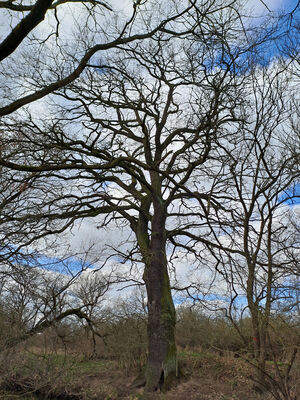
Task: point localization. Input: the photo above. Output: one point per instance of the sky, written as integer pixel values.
(86, 233)
(256, 7)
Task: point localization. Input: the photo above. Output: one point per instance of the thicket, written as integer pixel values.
(53, 362)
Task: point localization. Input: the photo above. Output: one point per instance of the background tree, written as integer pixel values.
(35, 298)
(259, 243)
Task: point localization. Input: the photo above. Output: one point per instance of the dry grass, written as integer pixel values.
(205, 376)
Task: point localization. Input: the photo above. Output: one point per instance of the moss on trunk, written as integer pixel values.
(162, 367)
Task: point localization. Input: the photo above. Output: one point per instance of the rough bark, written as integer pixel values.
(257, 334)
(161, 367)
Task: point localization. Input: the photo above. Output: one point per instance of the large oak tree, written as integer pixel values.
(132, 139)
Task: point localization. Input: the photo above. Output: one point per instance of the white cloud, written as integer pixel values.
(259, 7)
(122, 5)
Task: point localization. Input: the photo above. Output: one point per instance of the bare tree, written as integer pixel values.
(259, 175)
(149, 138)
(51, 62)
(35, 298)
(132, 141)
(36, 14)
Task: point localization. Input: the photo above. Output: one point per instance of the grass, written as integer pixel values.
(79, 363)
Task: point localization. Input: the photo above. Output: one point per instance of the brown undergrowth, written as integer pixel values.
(205, 375)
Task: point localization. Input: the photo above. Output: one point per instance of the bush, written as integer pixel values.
(194, 330)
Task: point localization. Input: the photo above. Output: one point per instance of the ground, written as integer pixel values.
(206, 375)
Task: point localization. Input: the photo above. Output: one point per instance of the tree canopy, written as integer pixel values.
(171, 125)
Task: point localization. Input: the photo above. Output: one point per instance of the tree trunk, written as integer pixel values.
(162, 358)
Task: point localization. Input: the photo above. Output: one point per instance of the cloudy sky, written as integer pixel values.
(86, 233)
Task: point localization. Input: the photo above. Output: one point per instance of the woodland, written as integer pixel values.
(150, 200)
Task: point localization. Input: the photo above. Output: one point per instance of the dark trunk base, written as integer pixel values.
(161, 376)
